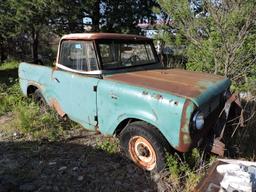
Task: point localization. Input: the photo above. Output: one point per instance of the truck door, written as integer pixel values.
(75, 84)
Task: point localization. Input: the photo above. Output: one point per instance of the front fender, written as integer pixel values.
(118, 102)
(145, 117)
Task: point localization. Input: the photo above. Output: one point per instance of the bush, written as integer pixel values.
(9, 65)
(9, 97)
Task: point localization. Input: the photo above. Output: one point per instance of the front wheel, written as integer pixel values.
(144, 145)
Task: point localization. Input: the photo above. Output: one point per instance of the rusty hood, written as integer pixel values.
(196, 86)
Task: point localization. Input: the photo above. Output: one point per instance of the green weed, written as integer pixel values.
(27, 117)
(108, 144)
(185, 173)
(9, 97)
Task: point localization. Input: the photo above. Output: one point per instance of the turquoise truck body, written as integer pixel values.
(166, 99)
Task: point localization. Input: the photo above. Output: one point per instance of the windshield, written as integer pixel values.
(115, 54)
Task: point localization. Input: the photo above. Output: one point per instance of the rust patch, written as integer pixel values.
(218, 147)
(179, 82)
(158, 97)
(98, 36)
(142, 152)
(55, 104)
(211, 180)
(184, 137)
(35, 84)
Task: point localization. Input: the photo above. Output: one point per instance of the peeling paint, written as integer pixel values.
(185, 140)
(158, 97)
(55, 104)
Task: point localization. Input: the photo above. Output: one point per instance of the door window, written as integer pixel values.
(78, 55)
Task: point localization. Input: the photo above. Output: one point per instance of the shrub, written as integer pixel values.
(9, 97)
(9, 65)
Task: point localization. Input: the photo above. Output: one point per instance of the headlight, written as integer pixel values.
(198, 120)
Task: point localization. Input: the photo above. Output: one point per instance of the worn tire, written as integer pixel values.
(39, 98)
(144, 145)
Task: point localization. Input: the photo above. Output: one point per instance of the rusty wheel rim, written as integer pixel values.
(142, 153)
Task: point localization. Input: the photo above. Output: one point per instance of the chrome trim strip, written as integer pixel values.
(96, 72)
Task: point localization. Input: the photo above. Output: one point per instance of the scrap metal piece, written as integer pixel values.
(236, 99)
(218, 147)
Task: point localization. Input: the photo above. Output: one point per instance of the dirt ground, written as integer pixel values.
(71, 165)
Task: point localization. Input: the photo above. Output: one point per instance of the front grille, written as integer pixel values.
(211, 112)
(210, 106)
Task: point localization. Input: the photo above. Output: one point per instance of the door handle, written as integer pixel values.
(114, 96)
(56, 79)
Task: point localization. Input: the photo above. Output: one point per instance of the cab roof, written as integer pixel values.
(98, 36)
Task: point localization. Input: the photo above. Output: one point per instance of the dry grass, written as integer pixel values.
(243, 138)
(183, 172)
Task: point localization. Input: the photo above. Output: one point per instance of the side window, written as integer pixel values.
(150, 53)
(78, 55)
(109, 53)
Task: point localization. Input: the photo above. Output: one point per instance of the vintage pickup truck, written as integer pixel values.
(114, 84)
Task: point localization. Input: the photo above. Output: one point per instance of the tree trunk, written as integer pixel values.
(2, 53)
(216, 66)
(35, 35)
(226, 65)
(96, 16)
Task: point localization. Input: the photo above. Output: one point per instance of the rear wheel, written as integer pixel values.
(39, 98)
(144, 145)
(44, 107)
